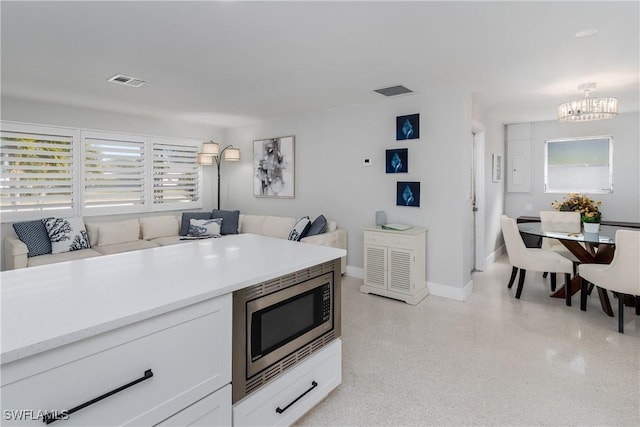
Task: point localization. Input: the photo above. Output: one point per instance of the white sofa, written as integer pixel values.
(150, 232)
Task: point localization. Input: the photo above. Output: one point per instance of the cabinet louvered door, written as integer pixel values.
(401, 266)
(375, 266)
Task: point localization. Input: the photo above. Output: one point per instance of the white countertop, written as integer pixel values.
(53, 305)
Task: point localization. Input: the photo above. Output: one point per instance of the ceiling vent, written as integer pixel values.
(393, 90)
(127, 81)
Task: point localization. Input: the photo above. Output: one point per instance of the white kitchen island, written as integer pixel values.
(159, 318)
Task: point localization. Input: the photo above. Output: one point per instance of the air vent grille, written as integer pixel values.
(127, 80)
(268, 287)
(393, 90)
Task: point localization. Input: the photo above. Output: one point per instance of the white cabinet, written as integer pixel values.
(394, 264)
(285, 399)
(519, 158)
(211, 411)
(167, 363)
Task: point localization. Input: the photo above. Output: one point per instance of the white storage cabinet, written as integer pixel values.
(172, 362)
(394, 264)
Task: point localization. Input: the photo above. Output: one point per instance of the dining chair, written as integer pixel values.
(563, 222)
(621, 277)
(522, 258)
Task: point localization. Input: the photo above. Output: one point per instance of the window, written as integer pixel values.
(114, 173)
(579, 165)
(176, 175)
(37, 176)
(48, 171)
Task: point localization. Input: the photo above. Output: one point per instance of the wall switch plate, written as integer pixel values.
(366, 162)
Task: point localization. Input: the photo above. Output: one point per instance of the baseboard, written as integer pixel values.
(356, 272)
(494, 256)
(451, 292)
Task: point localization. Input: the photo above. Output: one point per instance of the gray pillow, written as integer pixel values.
(318, 226)
(229, 221)
(34, 235)
(188, 216)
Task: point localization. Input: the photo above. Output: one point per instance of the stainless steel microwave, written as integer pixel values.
(275, 329)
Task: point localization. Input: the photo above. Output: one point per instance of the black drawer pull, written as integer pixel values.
(313, 385)
(49, 418)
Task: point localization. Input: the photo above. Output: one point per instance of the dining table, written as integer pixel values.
(588, 248)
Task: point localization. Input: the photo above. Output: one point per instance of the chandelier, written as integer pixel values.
(588, 109)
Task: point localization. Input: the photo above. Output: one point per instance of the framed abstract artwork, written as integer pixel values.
(408, 127)
(408, 193)
(274, 167)
(397, 160)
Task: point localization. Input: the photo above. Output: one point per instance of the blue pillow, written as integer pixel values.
(318, 226)
(230, 221)
(300, 229)
(34, 235)
(188, 216)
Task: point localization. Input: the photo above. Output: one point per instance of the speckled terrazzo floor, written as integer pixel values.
(492, 360)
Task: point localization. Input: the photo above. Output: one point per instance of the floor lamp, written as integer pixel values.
(211, 155)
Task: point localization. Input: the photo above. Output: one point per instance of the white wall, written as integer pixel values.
(330, 177)
(621, 205)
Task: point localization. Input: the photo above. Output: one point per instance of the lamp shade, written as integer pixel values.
(210, 148)
(205, 159)
(232, 154)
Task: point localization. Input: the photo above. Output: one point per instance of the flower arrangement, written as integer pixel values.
(588, 208)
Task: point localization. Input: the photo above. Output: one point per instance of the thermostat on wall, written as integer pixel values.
(366, 162)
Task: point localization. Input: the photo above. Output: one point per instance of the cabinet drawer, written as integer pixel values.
(187, 351)
(405, 242)
(212, 411)
(283, 401)
(382, 239)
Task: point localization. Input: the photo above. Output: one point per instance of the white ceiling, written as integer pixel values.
(233, 62)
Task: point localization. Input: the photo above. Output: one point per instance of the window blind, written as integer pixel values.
(175, 173)
(37, 171)
(114, 172)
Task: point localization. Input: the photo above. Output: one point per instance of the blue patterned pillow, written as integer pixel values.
(34, 235)
(229, 221)
(318, 226)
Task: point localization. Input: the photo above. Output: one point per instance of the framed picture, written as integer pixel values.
(274, 167)
(497, 168)
(408, 127)
(408, 193)
(397, 160)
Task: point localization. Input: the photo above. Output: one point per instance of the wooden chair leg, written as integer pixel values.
(637, 306)
(591, 286)
(575, 268)
(553, 282)
(567, 288)
(620, 313)
(514, 272)
(583, 294)
(520, 282)
(545, 274)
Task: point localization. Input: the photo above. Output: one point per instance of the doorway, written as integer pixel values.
(477, 196)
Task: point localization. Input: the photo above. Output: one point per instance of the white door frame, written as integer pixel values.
(479, 180)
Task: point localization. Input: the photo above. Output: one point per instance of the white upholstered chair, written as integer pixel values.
(522, 258)
(622, 276)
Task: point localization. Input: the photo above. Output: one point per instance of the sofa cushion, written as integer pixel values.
(318, 226)
(230, 220)
(66, 234)
(205, 227)
(188, 216)
(159, 226)
(34, 235)
(125, 247)
(300, 229)
(63, 256)
(113, 233)
(331, 226)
